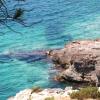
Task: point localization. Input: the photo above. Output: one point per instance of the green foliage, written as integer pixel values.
(88, 92)
(49, 98)
(36, 89)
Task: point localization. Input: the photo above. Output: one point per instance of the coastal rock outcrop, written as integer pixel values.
(79, 61)
(46, 94)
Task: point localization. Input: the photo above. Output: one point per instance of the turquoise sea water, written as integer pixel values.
(55, 23)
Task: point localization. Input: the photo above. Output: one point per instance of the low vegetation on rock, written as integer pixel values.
(87, 92)
(36, 89)
(49, 98)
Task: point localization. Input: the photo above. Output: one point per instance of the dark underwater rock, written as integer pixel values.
(29, 57)
(80, 61)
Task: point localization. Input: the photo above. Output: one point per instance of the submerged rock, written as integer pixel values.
(27, 56)
(80, 61)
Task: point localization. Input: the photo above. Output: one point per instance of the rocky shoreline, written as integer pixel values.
(56, 93)
(79, 63)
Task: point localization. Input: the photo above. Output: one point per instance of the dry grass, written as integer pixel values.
(49, 98)
(84, 93)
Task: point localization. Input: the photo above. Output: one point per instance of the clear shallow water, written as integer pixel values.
(55, 23)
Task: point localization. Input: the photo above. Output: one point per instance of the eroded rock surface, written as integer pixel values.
(80, 61)
(56, 94)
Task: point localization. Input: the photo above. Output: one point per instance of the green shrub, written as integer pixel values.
(36, 89)
(49, 98)
(88, 92)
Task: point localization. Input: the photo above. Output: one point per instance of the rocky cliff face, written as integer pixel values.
(80, 61)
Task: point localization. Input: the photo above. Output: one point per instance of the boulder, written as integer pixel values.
(80, 61)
